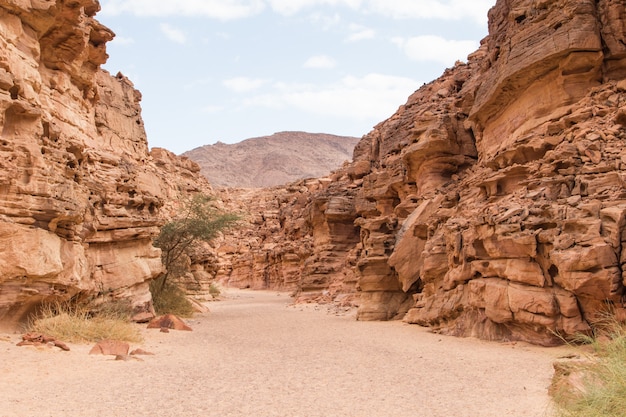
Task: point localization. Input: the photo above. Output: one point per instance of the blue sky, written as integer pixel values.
(229, 70)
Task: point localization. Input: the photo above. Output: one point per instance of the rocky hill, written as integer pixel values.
(492, 204)
(273, 160)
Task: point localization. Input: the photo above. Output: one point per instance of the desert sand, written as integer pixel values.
(255, 354)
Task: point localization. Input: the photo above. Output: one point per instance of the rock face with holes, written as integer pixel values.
(80, 195)
(299, 238)
(493, 203)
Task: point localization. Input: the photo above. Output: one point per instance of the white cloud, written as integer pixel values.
(218, 9)
(198, 83)
(212, 109)
(243, 84)
(122, 40)
(436, 49)
(173, 34)
(374, 96)
(320, 62)
(325, 22)
(239, 9)
(433, 9)
(360, 33)
(291, 7)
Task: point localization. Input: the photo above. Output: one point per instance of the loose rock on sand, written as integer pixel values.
(257, 355)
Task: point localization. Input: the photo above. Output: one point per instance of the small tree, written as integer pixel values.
(199, 221)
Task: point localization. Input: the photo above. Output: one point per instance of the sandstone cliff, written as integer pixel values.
(492, 203)
(273, 160)
(80, 195)
(299, 238)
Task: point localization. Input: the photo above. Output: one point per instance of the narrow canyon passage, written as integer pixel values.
(255, 354)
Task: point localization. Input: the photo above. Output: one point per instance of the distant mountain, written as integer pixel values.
(273, 160)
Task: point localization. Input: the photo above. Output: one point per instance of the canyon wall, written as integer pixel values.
(81, 197)
(299, 238)
(493, 203)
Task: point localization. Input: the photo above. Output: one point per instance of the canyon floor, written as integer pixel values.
(255, 354)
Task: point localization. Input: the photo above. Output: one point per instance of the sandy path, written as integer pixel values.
(254, 355)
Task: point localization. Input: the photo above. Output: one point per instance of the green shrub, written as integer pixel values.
(168, 298)
(199, 221)
(214, 290)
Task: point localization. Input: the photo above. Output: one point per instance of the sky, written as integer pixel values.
(229, 70)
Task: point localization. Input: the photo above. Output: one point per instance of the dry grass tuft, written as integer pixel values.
(85, 323)
(603, 389)
(214, 290)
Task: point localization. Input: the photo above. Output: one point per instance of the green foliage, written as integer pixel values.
(199, 221)
(170, 299)
(604, 393)
(214, 290)
(85, 322)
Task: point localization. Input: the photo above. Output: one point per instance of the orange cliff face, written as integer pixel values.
(493, 203)
(80, 195)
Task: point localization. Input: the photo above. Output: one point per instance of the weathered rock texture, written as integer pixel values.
(298, 238)
(80, 196)
(273, 160)
(493, 203)
(513, 179)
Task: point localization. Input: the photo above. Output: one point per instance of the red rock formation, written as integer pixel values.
(492, 203)
(168, 321)
(110, 347)
(299, 238)
(80, 196)
(270, 250)
(39, 339)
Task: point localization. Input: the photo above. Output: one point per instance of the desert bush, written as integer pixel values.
(85, 322)
(214, 290)
(199, 221)
(121, 309)
(604, 390)
(169, 298)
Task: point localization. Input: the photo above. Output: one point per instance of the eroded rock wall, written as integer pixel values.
(80, 195)
(493, 202)
(299, 238)
(494, 205)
